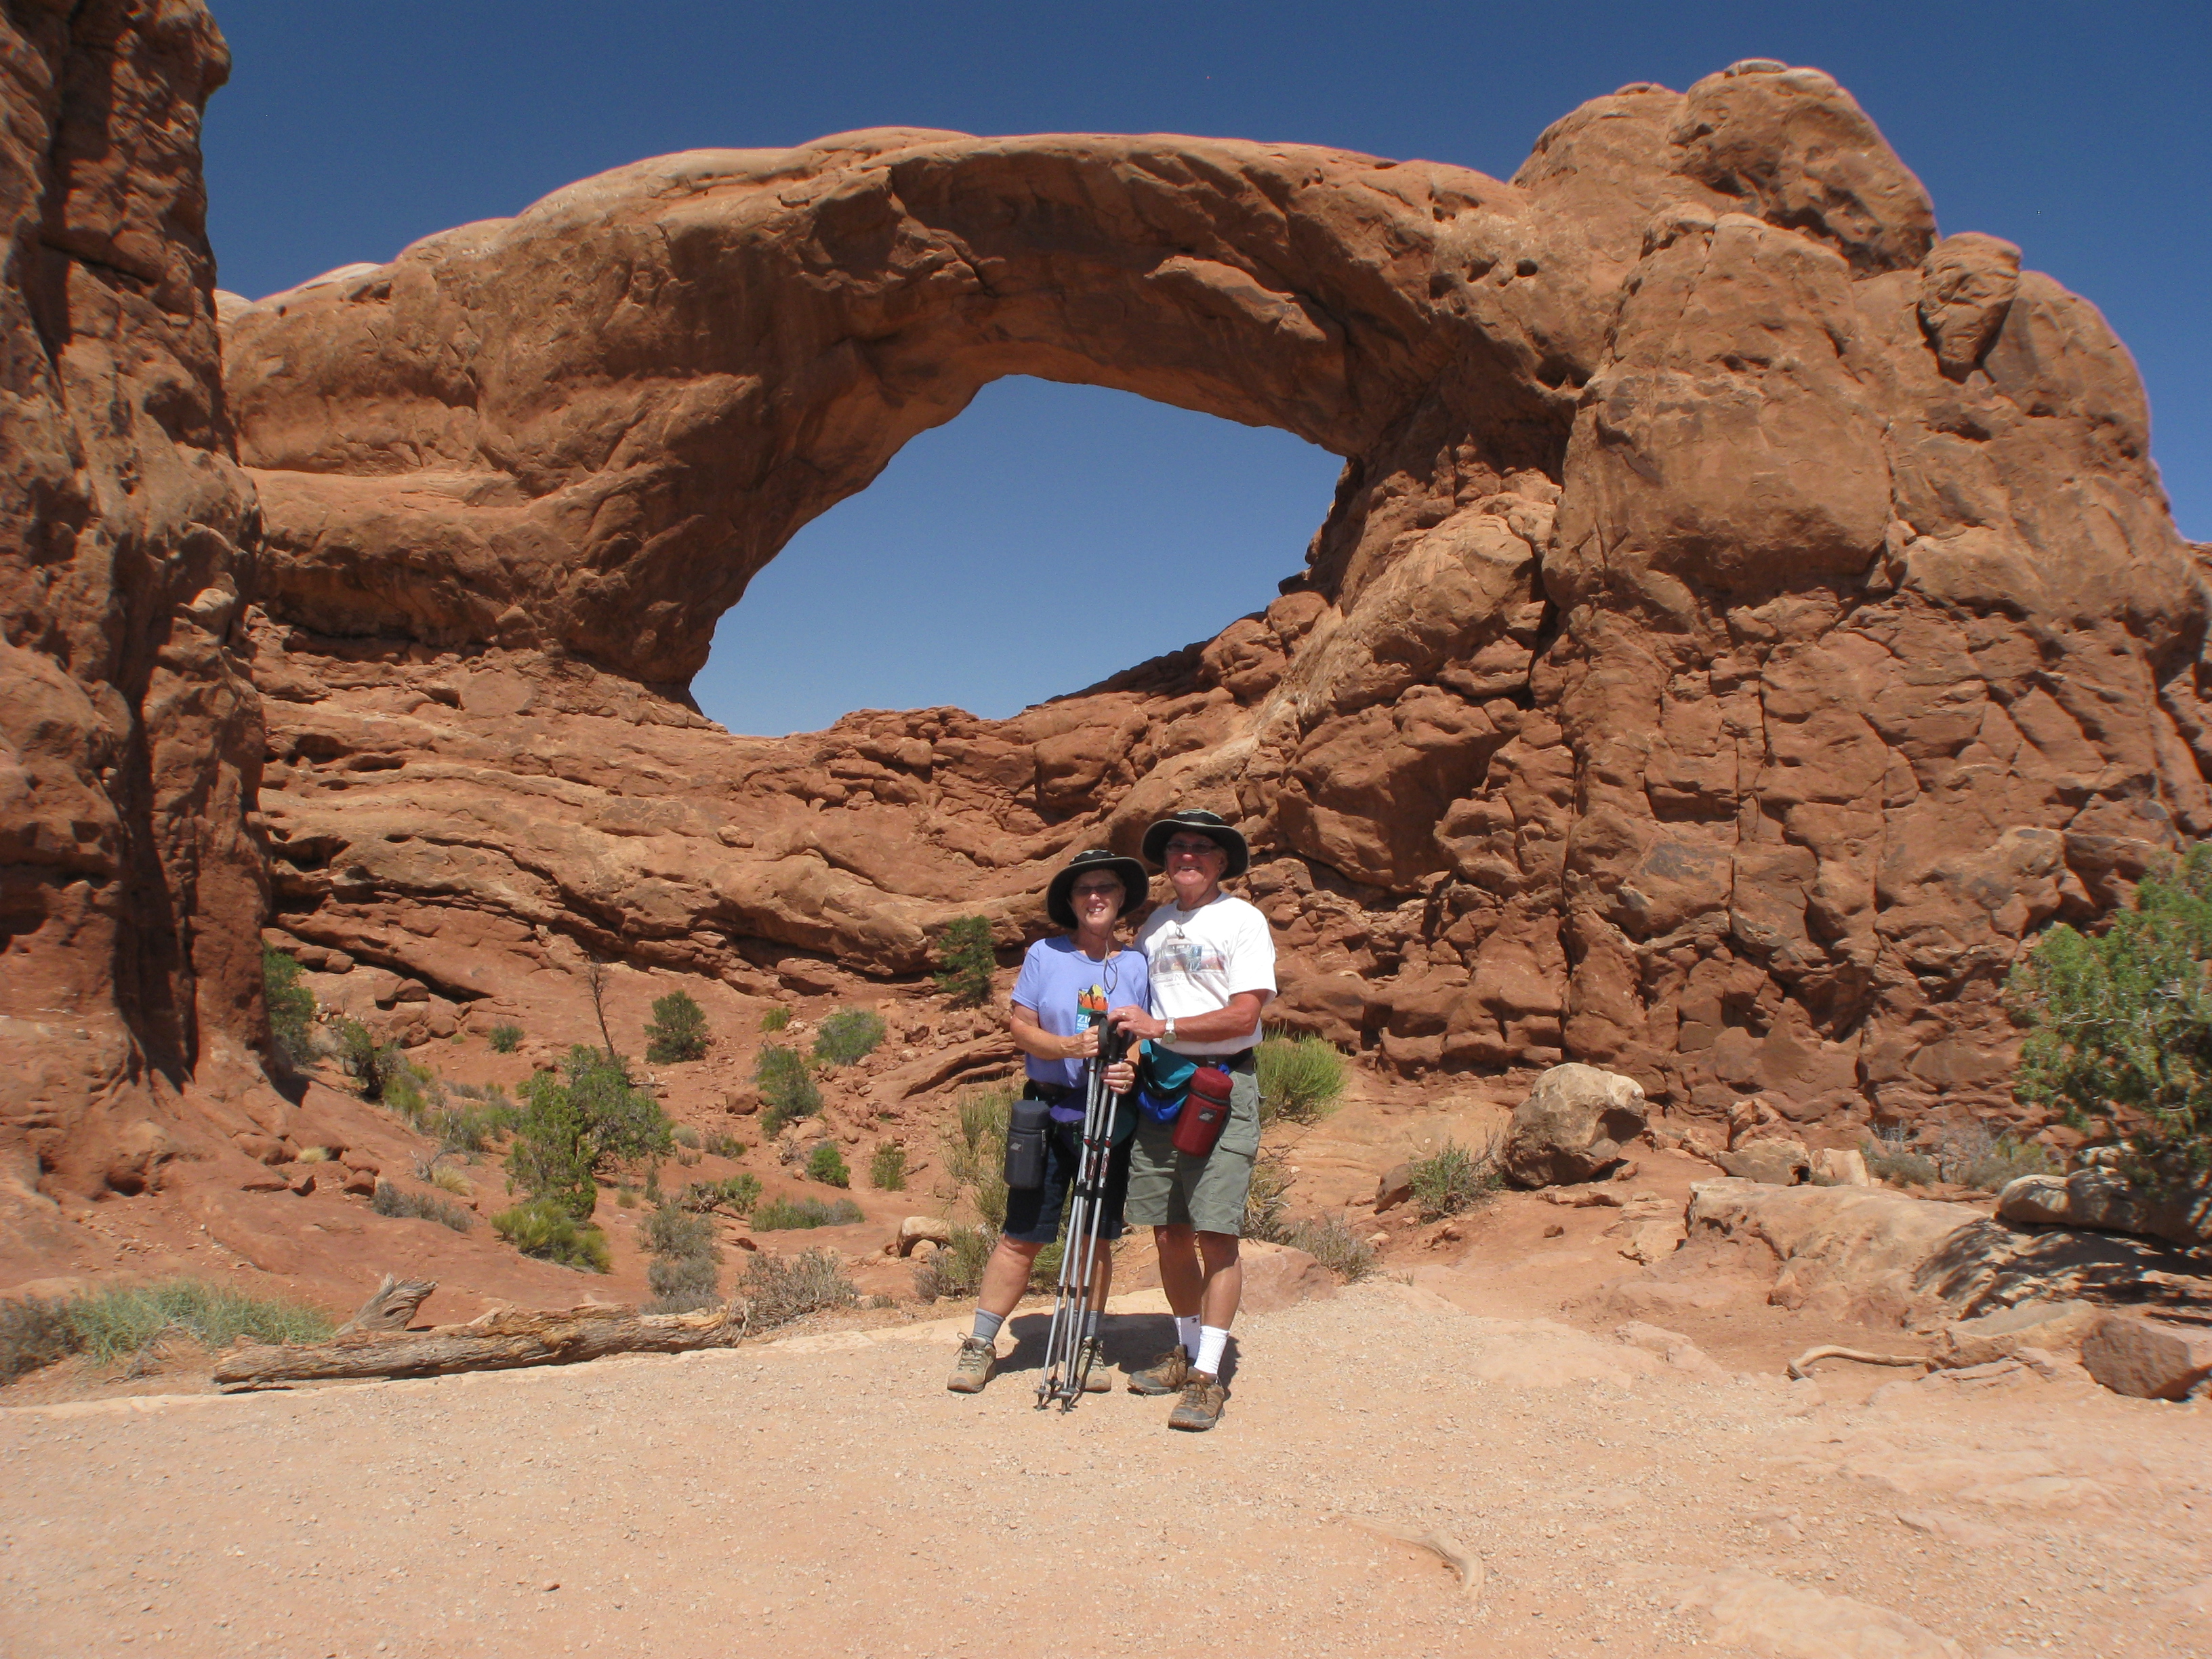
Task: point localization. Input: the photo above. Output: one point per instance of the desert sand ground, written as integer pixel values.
(823, 1493)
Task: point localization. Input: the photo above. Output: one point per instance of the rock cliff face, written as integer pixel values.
(1744, 615)
(131, 886)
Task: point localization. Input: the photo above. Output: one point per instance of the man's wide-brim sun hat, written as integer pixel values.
(1224, 834)
(1059, 898)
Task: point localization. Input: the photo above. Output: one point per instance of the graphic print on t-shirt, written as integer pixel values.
(1090, 1007)
(1185, 957)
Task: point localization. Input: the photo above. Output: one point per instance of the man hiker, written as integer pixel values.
(1211, 963)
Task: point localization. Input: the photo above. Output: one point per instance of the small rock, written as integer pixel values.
(360, 1183)
(1378, 1240)
(265, 1181)
(1653, 1241)
(2054, 1326)
(1557, 1229)
(1835, 1166)
(1628, 1171)
(1583, 1198)
(2147, 1359)
(304, 1186)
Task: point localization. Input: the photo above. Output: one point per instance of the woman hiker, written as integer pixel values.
(1060, 1004)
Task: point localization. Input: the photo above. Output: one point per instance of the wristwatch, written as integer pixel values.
(1167, 1035)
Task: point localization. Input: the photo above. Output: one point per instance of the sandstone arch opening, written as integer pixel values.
(959, 575)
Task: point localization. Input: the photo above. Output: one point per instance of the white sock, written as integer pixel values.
(987, 1325)
(1212, 1340)
(1187, 1332)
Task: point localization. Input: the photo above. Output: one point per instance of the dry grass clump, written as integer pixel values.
(543, 1229)
(685, 1272)
(1453, 1178)
(956, 1270)
(1300, 1078)
(848, 1036)
(1336, 1246)
(783, 1214)
(975, 1150)
(887, 1168)
(125, 1322)
(778, 1291)
(393, 1200)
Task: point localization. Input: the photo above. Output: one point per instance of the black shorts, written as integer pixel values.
(1033, 1212)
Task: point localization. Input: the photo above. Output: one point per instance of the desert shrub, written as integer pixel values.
(569, 1130)
(848, 1035)
(787, 1088)
(446, 1179)
(548, 1230)
(106, 1326)
(1300, 1078)
(314, 1155)
(1334, 1245)
(785, 1214)
(1268, 1197)
(368, 1062)
(827, 1165)
(975, 1150)
(393, 1200)
(684, 1272)
(1969, 1155)
(505, 1038)
(726, 1145)
(2121, 1022)
(679, 1031)
(1453, 1178)
(33, 1332)
(956, 1270)
(684, 1135)
(965, 960)
(291, 1010)
(1889, 1156)
(738, 1194)
(779, 1291)
(473, 1127)
(887, 1168)
(774, 1020)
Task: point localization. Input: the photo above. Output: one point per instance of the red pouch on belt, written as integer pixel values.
(1205, 1112)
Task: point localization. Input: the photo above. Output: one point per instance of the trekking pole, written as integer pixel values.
(1067, 1359)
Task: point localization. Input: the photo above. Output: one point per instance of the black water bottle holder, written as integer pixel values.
(1026, 1130)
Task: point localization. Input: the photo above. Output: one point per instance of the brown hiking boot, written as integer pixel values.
(973, 1369)
(1200, 1408)
(1165, 1375)
(1092, 1363)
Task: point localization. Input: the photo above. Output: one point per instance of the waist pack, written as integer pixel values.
(1162, 1081)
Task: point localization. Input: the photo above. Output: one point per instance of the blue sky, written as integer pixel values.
(2076, 130)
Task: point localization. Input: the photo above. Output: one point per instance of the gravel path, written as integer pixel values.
(825, 1494)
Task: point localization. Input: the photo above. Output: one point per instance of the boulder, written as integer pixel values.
(1276, 1276)
(1848, 1252)
(1395, 1188)
(2147, 1359)
(919, 1229)
(1775, 1163)
(2053, 1328)
(2101, 1197)
(1573, 1127)
(1838, 1167)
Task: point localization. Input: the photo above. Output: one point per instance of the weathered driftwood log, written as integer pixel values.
(392, 1306)
(499, 1341)
(1800, 1367)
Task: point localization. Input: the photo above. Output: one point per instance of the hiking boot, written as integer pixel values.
(1091, 1364)
(1200, 1407)
(1165, 1375)
(973, 1369)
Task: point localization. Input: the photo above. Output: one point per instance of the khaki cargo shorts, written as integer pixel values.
(1169, 1189)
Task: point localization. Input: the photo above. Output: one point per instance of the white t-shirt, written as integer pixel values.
(1201, 958)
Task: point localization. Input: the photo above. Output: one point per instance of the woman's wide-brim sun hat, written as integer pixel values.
(1224, 834)
(1058, 900)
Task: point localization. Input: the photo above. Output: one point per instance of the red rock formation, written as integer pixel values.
(1744, 617)
(132, 888)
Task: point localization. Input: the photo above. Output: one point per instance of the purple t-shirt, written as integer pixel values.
(1068, 992)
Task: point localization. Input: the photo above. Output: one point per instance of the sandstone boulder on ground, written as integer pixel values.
(2052, 1327)
(1774, 1162)
(916, 1229)
(2178, 1211)
(2148, 1359)
(1850, 1253)
(1574, 1125)
(1277, 1276)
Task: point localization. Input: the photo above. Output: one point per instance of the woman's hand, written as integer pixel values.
(1120, 1076)
(1081, 1046)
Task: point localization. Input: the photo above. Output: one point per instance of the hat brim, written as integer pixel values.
(1059, 898)
(1229, 841)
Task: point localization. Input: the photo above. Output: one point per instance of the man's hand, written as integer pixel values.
(1136, 1022)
